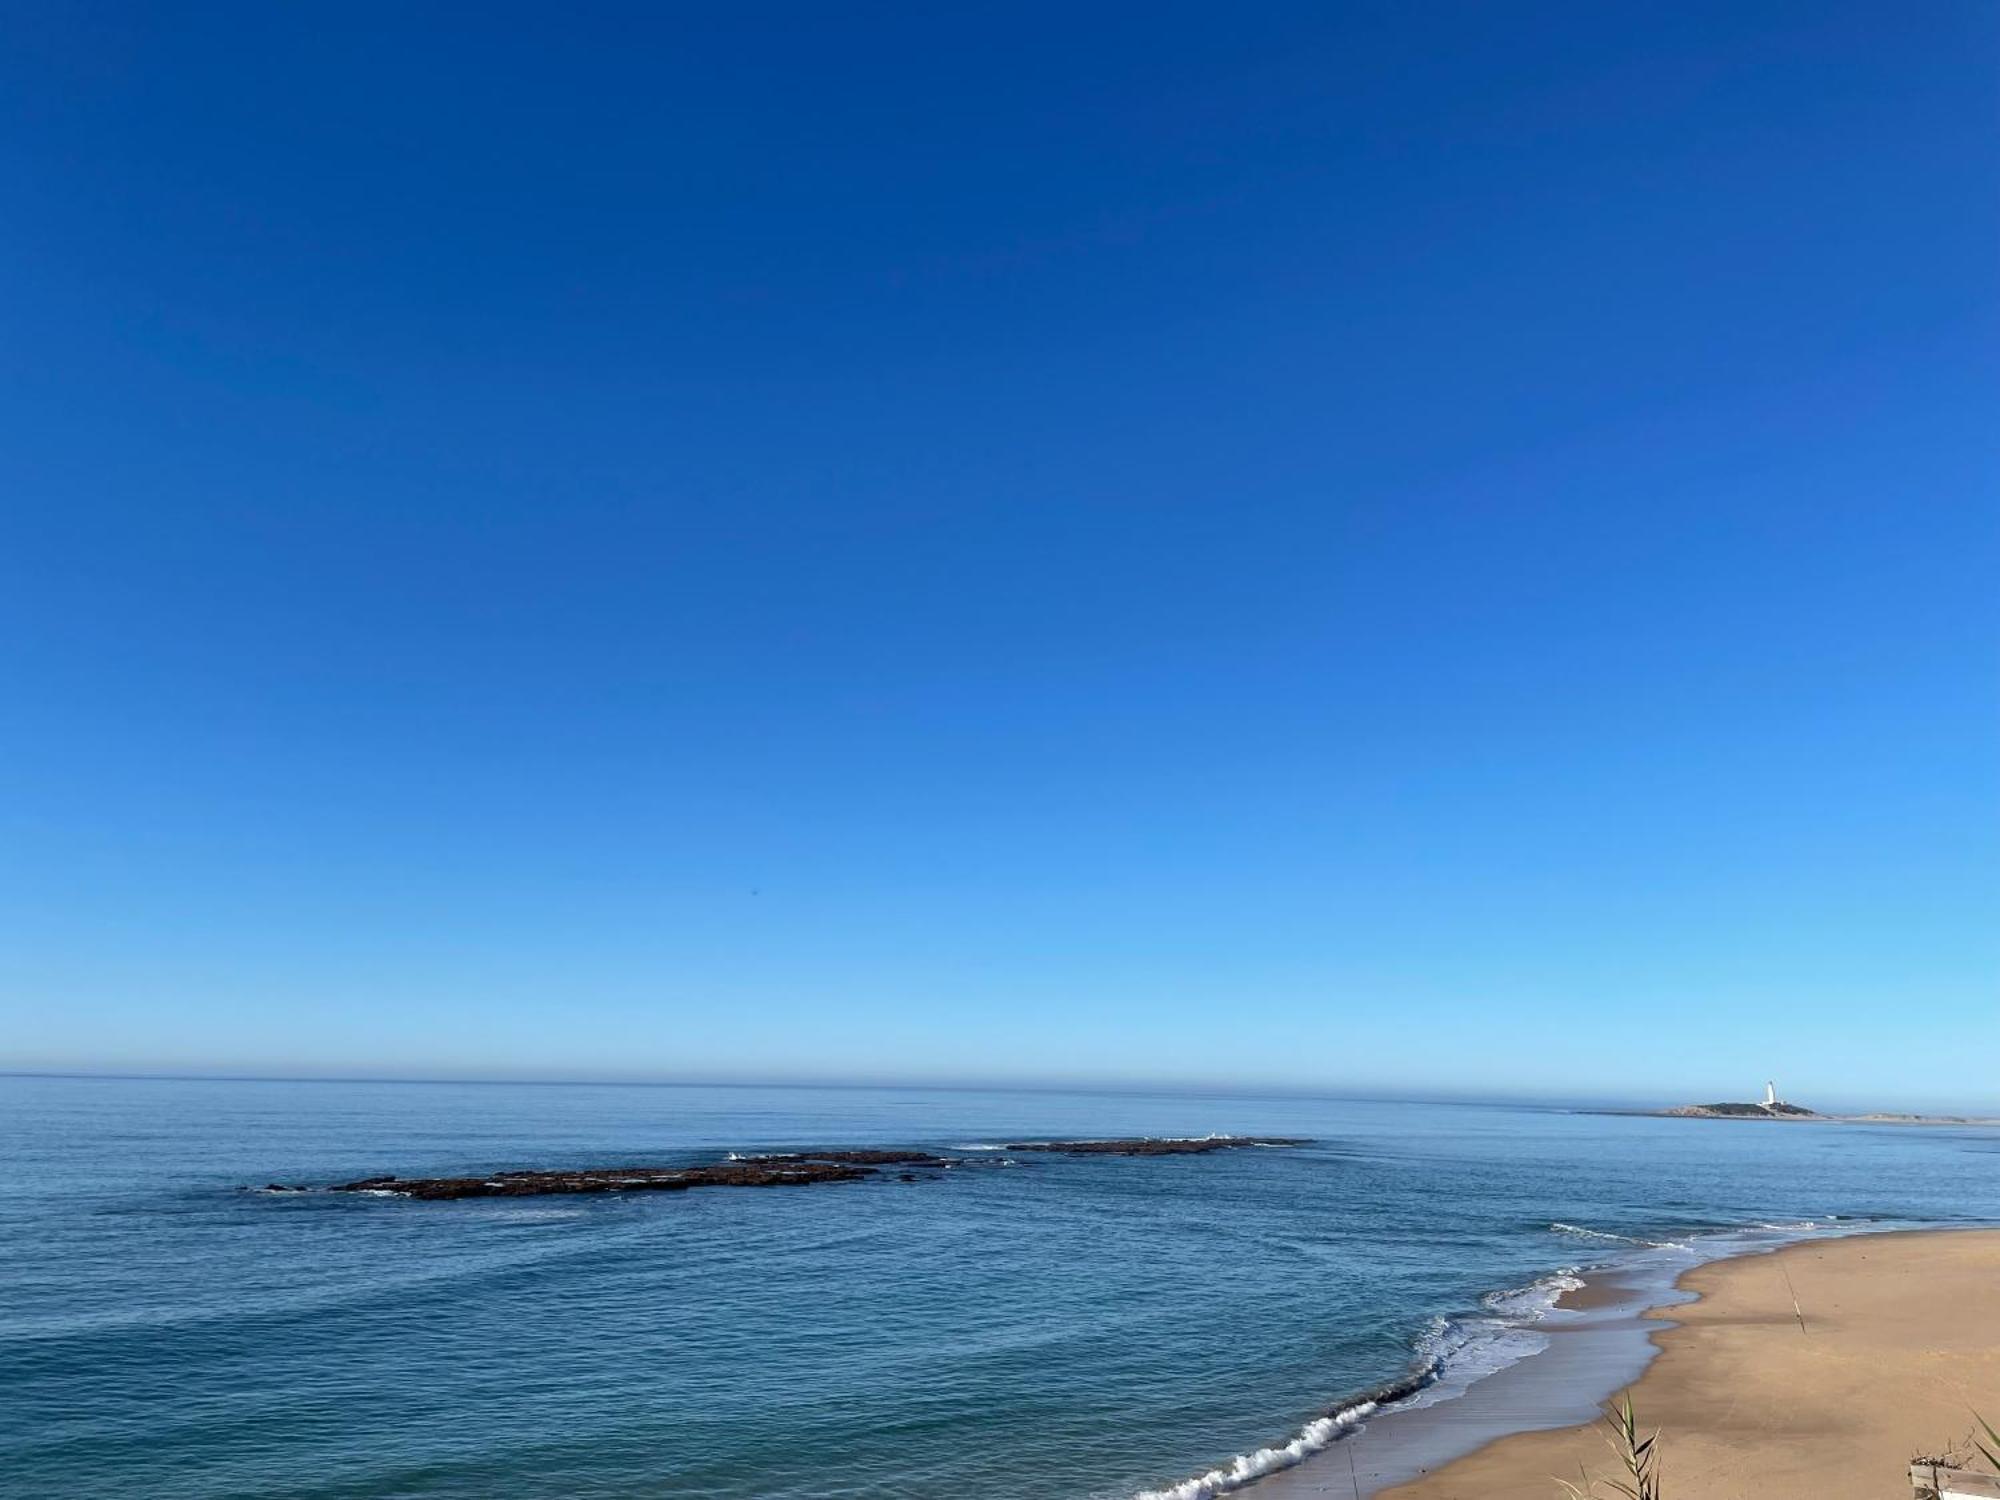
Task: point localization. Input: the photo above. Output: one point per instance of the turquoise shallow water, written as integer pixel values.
(1063, 1328)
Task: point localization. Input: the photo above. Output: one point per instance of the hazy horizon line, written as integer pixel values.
(1161, 1088)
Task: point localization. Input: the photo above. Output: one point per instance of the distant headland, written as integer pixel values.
(1777, 1111)
(1771, 1107)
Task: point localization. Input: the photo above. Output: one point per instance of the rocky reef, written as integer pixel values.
(1150, 1145)
(609, 1180)
(767, 1169)
(859, 1157)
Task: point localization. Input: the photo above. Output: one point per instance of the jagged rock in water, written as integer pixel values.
(1159, 1145)
(859, 1157)
(798, 1169)
(610, 1180)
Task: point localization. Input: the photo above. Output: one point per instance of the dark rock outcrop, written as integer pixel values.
(797, 1169)
(610, 1180)
(860, 1157)
(1158, 1146)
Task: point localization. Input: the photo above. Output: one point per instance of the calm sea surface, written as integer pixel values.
(1058, 1328)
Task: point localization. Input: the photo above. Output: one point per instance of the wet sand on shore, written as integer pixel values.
(1893, 1343)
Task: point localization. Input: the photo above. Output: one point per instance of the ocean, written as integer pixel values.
(1044, 1328)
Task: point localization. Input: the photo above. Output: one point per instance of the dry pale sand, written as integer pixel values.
(1901, 1342)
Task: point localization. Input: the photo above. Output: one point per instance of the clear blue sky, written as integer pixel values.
(1403, 547)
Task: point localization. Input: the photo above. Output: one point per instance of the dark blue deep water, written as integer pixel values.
(1062, 1328)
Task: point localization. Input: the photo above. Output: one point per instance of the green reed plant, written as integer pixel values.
(1638, 1455)
(1991, 1455)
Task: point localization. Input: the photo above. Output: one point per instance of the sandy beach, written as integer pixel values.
(1900, 1342)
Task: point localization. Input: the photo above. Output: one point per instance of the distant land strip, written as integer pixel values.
(1783, 1111)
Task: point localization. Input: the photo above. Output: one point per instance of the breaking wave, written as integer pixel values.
(1319, 1434)
(1451, 1354)
(1537, 1299)
(1618, 1239)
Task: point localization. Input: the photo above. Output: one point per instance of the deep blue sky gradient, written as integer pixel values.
(1421, 548)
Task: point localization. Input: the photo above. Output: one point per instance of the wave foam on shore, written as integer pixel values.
(1315, 1436)
(1580, 1232)
(1451, 1354)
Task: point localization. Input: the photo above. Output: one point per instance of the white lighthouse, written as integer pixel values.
(1770, 1093)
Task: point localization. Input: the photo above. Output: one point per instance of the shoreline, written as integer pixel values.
(1516, 1364)
(1806, 1117)
(1715, 1355)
